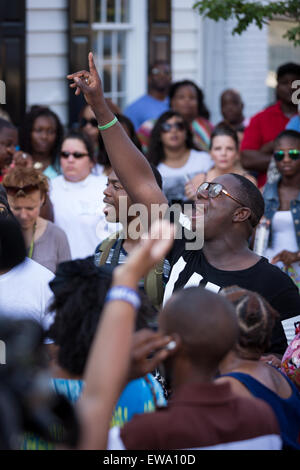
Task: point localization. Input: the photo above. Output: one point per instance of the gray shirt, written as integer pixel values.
(52, 247)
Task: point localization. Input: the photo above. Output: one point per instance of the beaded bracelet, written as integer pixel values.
(124, 293)
(108, 125)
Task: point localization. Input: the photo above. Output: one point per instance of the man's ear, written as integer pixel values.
(241, 214)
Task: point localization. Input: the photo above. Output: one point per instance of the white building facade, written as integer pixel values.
(201, 50)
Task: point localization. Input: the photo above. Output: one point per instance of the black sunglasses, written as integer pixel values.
(13, 190)
(75, 154)
(293, 154)
(166, 127)
(84, 122)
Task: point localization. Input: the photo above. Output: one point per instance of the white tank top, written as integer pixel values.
(283, 237)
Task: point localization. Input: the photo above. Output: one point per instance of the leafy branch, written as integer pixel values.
(256, 12)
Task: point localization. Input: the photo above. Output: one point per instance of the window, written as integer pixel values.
(12, 58)
(116, 32)
(159, 30)
(280, 51)
(110, 38)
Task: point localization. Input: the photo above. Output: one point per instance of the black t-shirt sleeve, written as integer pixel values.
(287, 300)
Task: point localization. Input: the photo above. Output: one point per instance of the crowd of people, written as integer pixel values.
(153, 342)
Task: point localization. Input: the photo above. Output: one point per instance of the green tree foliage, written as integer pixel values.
(256, 12)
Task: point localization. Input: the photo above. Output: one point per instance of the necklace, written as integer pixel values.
(32, 242)
(38, 166)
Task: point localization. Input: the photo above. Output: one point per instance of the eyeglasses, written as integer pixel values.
(166, 127)
(293, 154)
(214, 190)
(157, 71)
(75, 154)
(13, 190)
(84, 122)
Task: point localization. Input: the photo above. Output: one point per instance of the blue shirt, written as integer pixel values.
(294, 124)
(287, 410)
(145, 108)
(142, 395)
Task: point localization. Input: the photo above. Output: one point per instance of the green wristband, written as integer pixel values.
(108, 125)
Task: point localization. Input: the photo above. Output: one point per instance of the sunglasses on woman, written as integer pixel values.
(13, 190)
(166, 127)
(214, 190)
(84, 122)
(75, 154)
(293, 154)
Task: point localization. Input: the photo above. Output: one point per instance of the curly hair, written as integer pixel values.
(21, 177)
(156, 153)
(202, 109)
(27, 127)
(256, 319)
(80, 290)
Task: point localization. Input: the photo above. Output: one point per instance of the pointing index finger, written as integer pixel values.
(92, 66)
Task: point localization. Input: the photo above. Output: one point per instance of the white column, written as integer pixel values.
(46, 55)
(137, 50)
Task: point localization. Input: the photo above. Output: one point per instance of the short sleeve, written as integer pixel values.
(252, 139)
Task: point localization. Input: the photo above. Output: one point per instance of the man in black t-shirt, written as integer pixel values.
(232, 209)
(226, 260)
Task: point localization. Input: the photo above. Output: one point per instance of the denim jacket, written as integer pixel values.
(272, 203)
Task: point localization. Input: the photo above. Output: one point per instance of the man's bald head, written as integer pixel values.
(231, 93)
(205, 323)
(232, 106)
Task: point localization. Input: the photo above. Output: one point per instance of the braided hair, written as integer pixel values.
(256, 319)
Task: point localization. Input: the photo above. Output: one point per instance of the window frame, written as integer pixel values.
(136, 56)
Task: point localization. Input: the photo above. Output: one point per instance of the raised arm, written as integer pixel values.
(108, 363)
(128, 162)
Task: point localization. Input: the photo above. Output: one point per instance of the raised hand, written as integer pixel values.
(89, 83)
